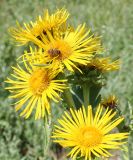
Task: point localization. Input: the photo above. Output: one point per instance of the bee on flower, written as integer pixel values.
(75, 47)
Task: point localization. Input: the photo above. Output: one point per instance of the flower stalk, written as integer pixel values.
(86, 94)
(68, 98)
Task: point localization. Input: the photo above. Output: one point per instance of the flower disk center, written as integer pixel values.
(59, 49)
(90, 137)
(39, 81)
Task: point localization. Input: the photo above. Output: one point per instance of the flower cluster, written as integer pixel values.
(63, 60)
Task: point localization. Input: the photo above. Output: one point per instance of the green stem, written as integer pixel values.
(47, 132)
(68, 98)
(67, 94)
(86, 94)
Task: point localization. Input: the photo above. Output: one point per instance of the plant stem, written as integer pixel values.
(86, 94)
(47, 132)
(68, 98)
(67, 94)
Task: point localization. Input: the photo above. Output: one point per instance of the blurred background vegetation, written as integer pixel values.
(112, 19)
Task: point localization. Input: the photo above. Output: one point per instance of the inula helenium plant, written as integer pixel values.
(66, 66)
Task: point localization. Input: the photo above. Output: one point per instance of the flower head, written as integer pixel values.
(32, 31)
(104, 64)
(35, 87)
(110, 102)
(88, 135)
(74, 47)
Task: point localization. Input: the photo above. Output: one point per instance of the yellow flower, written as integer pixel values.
(34, 87)
(110, 102)
(104, 64)
(33, 30)
(75, 47)
(88, 135)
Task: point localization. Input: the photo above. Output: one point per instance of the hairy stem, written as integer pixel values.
(68, 98)
(86, 94)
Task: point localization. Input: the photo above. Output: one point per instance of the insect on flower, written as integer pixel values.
(54, 52)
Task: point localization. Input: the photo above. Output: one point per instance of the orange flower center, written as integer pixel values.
(39, 81)
(90, 137)
(59, 49)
